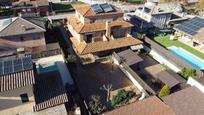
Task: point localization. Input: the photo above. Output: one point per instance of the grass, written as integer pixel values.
(64, 7)
(166, 42)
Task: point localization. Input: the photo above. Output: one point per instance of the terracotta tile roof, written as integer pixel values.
(86, 48)
(93, 27)
(148, 106)
(86, 11)
(189, 101)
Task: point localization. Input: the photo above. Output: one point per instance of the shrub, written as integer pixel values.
(71, 58)
(122, 97)
(164, 91)
(188, 73)
(95, 104)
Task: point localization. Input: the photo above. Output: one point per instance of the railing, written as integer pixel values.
(46, 53)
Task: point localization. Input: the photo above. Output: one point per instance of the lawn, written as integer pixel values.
(166, 42)
(64, 7)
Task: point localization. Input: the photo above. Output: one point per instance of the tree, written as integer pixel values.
(107, 88)
(186, 73)
(95, 104)
(164, 91)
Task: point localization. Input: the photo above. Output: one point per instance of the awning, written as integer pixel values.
(167, 78)
(130, 57)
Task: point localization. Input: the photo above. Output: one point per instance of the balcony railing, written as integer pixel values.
(46, 53)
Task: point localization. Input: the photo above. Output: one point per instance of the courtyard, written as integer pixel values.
(90, 78)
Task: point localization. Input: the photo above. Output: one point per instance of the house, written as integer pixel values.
(189, 101)
(149, 106)
(17, 78)
(24, 91)
(191, 31)
(99, 29)
(31, 7)
(160, 18)
(21, 33)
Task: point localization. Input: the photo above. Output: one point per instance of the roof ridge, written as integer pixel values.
(32, 23)
(87, 11)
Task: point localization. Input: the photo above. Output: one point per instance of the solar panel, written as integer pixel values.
(27, 63)
(1, 68)
(96, 8)
(15, 65)
(8, 68)
(191, 26)
(107, 7)
(18, 65)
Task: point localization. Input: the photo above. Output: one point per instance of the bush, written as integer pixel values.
(122, 97)
(164, 91)
(188, 73)
(71, 58)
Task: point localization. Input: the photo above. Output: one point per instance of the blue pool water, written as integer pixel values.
(44, 68)
(187, 57)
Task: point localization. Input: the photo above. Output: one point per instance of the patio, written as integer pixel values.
(90, 78)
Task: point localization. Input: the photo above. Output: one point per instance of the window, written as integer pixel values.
(35, 37)
(24, 98)
(89, 38)
(21, 38)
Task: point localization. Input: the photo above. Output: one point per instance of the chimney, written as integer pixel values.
(108, 29)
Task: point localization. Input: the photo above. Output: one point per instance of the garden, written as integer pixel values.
(165, 41)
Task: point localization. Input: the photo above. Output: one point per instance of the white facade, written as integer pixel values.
(61, 1)
(191, 81)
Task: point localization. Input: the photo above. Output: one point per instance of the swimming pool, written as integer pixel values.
(187, 57)
(44, 68)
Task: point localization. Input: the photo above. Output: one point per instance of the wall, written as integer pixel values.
(10, 101)
(143, 15)
(97, 36)
(162, 60)
(76, 35)
(29, 41)
(191, 81)
(144, 93)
